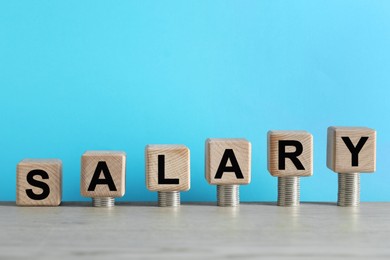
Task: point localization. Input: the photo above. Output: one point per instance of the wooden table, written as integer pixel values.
(195, 231)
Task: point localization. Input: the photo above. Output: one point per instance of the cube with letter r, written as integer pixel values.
(290, 153)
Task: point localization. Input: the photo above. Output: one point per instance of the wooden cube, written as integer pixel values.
(39, 182)
(228, 161)
(351, 149)
(103, 174)
(167, 167)
(290, 153)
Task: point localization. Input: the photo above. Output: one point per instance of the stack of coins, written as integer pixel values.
(349, 189)
(288, 191)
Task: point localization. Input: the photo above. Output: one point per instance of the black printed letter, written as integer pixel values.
(293, 156)
(45, 188)
(161, 172)
(102, 167)
(229, 155)
(355, 150)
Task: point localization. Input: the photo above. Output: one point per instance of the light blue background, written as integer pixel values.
(82, 75)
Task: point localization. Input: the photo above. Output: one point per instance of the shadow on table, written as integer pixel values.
(260, 203)
(7, 203)
(154, 204)
(117, 204)
(302, 203)
(320, 203)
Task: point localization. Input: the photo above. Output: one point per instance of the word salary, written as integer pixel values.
(227, 162)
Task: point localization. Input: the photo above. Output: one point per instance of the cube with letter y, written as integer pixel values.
(351, 149)
(39, 182)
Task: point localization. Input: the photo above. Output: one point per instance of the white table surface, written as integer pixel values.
(195, 231)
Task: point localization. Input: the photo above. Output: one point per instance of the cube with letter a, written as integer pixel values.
(228, 161)
(103, 174)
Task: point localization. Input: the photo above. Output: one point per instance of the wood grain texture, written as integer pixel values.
(339, 158)
(53, 168)
(116, 163)
(177, 166)
(215, 148)
(306, 157)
